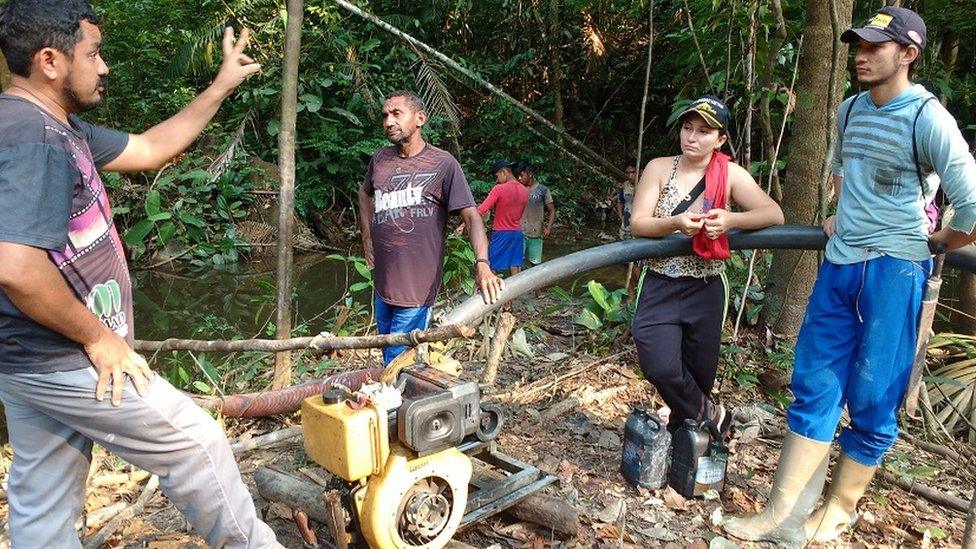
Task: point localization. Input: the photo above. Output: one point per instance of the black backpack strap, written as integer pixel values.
(693, 195)
(918, 164)
(847, 115)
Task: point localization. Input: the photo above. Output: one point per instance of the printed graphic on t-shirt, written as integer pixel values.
(92, 262)
(404, 204)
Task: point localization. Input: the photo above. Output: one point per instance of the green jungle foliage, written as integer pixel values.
(163, 53)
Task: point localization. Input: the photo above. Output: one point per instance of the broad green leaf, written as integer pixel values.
(137, 234)
(347, 115)
(599, 294)
(166, 232)
(202, 387)
(312, 102)
(363, 270)
(161, 216)
(153, 201)
(192, 220)
(588, 319)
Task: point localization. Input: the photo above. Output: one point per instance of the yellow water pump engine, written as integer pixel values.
(400, 448)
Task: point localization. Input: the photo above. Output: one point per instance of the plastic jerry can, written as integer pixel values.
(699, 459)
(646, 450)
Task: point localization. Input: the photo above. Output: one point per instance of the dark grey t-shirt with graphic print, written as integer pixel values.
(51, 197)
(412, 198)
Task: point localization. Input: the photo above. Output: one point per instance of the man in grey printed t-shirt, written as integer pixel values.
(66, 326)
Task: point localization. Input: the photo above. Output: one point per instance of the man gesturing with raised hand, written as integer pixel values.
(66, 326)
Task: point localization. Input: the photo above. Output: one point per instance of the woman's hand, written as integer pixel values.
(718, 222)
(689, 223)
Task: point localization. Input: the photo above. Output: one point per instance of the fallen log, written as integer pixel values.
(540, 509)
(322, 342)
(939, 498)
(277, 486)
(266, 439)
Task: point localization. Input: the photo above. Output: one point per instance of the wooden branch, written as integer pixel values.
(322, 342)
(336, 519)
(253, 443)
(355, 10)
(99, 539)
(701, 56)
(932, 447)
(969, 536)
(523, 393)
(939, 498)
(498, 343)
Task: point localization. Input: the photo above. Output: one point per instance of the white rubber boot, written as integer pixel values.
(797, 484)
(847, 485)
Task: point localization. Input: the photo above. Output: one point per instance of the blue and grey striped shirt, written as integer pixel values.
(882, 204)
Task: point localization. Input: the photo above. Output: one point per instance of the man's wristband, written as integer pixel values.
(481, 260)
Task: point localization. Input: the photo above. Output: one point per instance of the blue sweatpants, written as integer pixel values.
(393, 319)
(856, 348)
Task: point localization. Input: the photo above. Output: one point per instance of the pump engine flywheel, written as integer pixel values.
(424, 511)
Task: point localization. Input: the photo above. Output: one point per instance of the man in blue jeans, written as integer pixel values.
(409, 190)
(857, 342)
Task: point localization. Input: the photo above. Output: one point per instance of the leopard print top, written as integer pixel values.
(687, 265)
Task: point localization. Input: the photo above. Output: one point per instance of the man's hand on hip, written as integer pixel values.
(113, 360)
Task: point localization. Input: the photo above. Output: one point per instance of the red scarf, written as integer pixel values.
(716, 179)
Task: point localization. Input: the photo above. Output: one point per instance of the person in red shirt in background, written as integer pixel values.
(507, 200)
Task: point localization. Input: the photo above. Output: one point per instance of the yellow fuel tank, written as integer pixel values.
(350, 443)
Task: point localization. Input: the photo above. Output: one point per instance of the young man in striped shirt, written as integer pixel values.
(857, 342)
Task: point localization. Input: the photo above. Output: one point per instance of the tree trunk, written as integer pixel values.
(556, 67)
(286, 198)
(967, 302)
(949, 54)
(765, 118)
(793, 272)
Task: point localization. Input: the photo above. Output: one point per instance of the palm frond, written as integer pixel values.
(436, 95)
(224, 161)
(197, 55)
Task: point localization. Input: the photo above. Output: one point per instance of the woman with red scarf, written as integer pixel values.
(678, 324)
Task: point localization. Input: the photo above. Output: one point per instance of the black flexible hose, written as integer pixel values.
(785, 237)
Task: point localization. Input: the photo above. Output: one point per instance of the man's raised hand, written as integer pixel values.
(236, 65)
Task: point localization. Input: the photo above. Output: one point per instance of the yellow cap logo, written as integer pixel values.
(705, 107)
(880, 20)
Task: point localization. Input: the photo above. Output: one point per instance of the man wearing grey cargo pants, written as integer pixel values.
(66, 327)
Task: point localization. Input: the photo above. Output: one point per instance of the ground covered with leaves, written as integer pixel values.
(567, 391)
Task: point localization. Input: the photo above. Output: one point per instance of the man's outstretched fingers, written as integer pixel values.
(242, 40)
(228, 41)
